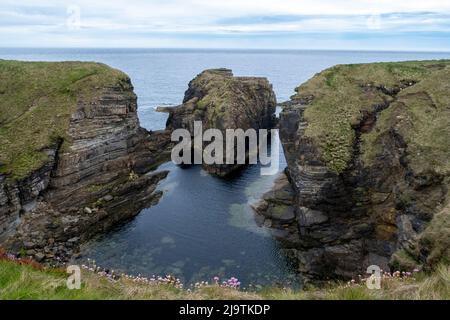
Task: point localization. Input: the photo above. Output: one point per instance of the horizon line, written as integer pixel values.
(229, 49)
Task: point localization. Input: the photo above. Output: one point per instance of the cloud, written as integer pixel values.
(156, 22)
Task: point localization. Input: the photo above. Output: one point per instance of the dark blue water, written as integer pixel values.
(203, 226)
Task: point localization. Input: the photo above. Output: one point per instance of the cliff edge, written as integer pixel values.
(368, 149)
(73, 157)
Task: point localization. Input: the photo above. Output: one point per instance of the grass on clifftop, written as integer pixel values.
(434, 241)
(24, 281)
(342, 94)
(36, 102)
(225, 98)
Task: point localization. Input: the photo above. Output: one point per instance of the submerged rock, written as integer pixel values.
(368, 149)
(222, 101)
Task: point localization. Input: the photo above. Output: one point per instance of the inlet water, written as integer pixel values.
(203, 226)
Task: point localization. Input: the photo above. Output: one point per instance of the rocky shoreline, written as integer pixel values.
(367, 149)
(100, 171)
(93, 178)
(355, 138)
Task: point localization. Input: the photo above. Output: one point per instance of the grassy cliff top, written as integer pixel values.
(36, 102)
(24, 280)
(225, 96)
(415, 92)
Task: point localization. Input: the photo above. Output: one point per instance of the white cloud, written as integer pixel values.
(28, 21)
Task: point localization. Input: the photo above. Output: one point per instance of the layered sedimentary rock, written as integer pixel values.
(221, 101)
(368, 149)
(107, 144)
(83, 156)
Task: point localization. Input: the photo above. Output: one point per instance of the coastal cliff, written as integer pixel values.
(222, 101)
(368, 149)
(73, 158)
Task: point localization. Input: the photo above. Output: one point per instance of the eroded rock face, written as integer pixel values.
(221, 101)
(107, 145)
(22, 195)
(367, 148)
(276, 211)
(93, 179)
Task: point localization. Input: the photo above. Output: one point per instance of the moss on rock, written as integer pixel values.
(342, 97)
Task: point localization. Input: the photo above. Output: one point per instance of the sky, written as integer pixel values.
(412, 25)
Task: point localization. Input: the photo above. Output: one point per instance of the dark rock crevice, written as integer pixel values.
(369, 118)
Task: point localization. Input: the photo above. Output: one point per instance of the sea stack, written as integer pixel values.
(222, 101)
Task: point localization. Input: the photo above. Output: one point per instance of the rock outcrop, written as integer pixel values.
(92, 156)
(368, 149)
(276, 211)
(221, 101)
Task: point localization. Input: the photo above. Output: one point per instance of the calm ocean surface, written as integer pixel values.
(203, 226)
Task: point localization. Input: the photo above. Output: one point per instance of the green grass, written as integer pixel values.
(431, 247)
(221, 99)
(342, 93)
(37, 100)
(19, 281)
(24, 281)
(421, 115)
(219, 96)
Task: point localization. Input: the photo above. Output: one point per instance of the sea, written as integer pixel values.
(203, 226)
